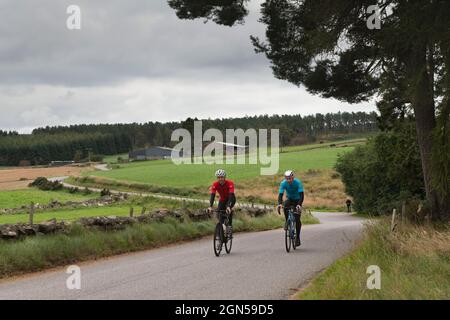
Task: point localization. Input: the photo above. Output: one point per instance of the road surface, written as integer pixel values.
(257, 268)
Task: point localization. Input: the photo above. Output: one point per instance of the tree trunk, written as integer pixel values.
(442, 161)
(422, 99)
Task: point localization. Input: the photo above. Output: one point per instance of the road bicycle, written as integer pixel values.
(290, 233)
(223, 235)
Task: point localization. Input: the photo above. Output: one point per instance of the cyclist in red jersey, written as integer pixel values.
(227, 199)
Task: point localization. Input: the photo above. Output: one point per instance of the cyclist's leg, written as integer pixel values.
(230, 216)
(298, 221)
(222, 207)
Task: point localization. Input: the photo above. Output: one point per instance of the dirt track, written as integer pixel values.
(19, 178)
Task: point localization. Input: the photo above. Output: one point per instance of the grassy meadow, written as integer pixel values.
(165, 173)
(113, 158)
(68, 214)
(313, 163)
(324, 189)
(18, 198)
(349, 142)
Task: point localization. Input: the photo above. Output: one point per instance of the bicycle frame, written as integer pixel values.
(226, 216)
(291, 219)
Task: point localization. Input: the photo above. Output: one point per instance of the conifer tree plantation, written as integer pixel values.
(75, 142)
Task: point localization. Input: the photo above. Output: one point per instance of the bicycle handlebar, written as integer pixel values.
(293, 208)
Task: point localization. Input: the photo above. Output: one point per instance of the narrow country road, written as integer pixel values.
(257, 268)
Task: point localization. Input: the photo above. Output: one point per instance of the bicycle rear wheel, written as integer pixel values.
(218, 236)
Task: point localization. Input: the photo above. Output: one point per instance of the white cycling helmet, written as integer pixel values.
(221, 173)
(289, 174)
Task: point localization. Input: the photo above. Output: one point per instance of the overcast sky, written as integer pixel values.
(135, 61)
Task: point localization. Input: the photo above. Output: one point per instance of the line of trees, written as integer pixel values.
(291, 126)
(74, 142)
(44, 148)
(295, 129)
(8, 133)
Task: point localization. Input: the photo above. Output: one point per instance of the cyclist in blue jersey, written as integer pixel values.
(294, 198)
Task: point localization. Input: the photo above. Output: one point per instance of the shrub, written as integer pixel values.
(39, 181)
(43, 184)
(383, 173)
(74, 190)
(105, 192)
(97, 158)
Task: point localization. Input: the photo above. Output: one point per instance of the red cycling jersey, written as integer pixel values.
(224, 189)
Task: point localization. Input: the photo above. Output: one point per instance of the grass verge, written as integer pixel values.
(324, 190)
(414, 263)
(41, 252)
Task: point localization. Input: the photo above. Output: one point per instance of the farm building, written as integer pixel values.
(151, 153)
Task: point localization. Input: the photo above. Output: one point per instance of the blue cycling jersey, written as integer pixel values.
(292, 189)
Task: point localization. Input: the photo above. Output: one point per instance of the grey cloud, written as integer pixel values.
(134, 60)
(119, 40)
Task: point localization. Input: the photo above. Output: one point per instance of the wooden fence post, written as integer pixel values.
(31, 213)
(131, 212)
(403, 212)
(393, 220)
(143, 211)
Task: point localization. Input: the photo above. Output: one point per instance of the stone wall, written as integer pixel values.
(15, 231)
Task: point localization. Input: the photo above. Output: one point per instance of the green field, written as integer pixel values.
(68, 215)
(113, 158)
(165, 173)
(18, 198)
(350, 142)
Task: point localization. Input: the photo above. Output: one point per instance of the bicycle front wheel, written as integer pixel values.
(229, 243)
(287, 238)
(293, 235)
(218, 236)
